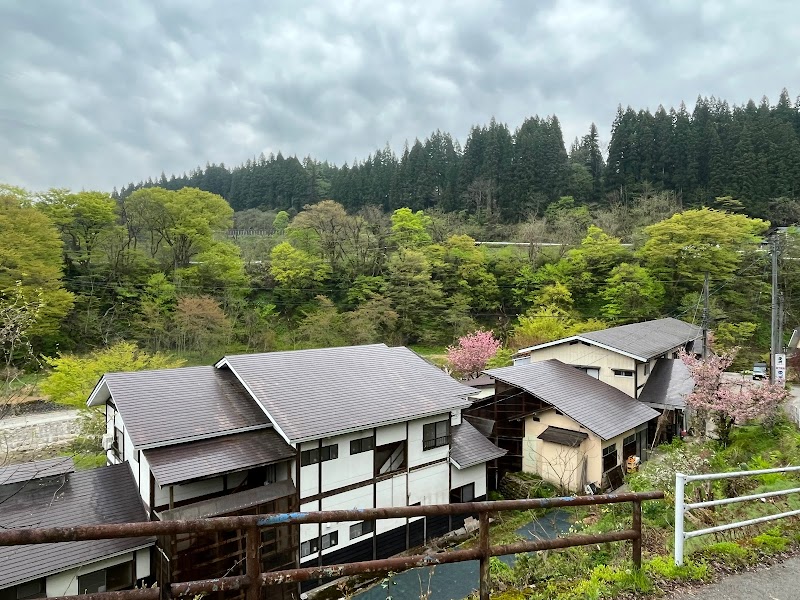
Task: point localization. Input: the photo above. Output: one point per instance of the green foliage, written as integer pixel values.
(730, 553)
(771, 542)
(73, 378)
(663, 567)
(30, 253)
(409, 228)
(687, 245)
(631, 294)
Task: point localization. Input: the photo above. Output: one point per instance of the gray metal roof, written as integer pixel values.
(93, 497)
(469, 447)
(668, 385)
(648, 339)
(642, 341)
(485, 426)
(172, 406)
(206, 458)
(310, 394)
(564, 437)
(231, 503)
(35, 470)
(595, 405)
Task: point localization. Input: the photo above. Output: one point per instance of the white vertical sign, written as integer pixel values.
(780, 361)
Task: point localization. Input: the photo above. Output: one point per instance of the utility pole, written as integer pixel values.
(775, 342)
(706, 317)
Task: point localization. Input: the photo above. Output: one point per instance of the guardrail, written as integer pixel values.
(682, 507)
(253, 581)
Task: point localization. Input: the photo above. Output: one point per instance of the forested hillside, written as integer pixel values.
(747, 155)
(385, 250)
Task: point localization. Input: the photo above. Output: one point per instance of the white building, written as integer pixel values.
(337, 428)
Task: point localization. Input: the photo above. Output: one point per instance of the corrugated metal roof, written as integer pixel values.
(595, 405)
(564, 437)
(310, 394)
(469, 447)
(230, 503)
(172, 405)
(206, 458)
(93, 497)
(643, 341)
(668, 385)
(35, 470)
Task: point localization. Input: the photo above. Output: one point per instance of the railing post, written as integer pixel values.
(680, 485)
(253, 563)
(484, 566)
(637, 527)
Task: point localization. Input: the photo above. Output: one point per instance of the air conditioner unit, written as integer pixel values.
(108, 441)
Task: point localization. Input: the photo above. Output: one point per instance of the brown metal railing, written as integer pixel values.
(253, 579)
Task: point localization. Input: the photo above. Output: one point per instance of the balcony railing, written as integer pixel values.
(254, 580)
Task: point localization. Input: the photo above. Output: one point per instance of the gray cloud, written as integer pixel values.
(94, 94)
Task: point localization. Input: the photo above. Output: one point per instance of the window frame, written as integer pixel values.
(361, 529)
(459, 492)
(627, 373)
(13, 592)
(360, 445)
(436, 440)
(607, 452)
(330, 540)
(309, 547)
(319, 455)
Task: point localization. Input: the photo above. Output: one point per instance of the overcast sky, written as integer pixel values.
(96, 94)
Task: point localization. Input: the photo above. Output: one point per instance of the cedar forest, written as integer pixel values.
(282, 253)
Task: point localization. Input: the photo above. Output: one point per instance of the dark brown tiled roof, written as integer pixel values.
(668, 385)
(312, 394)
(93, 497)
(215, 456)
(172, 406)
(564, 437)
(469, 447)
(595, 405)
(35, 470)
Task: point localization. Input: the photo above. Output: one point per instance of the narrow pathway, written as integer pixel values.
(778, 582)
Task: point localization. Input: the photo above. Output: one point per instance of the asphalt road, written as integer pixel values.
(778, 582)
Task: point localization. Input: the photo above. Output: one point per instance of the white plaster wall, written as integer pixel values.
(353, 499)
(308, 531)
(390, 434)
(144, 480)
(309, 475)
(390, 492)
(66, 582)
(347, 469)
(582, 355)
(475, 474)
(418, 456)
(429, 485)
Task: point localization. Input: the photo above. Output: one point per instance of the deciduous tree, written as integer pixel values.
(472, 353)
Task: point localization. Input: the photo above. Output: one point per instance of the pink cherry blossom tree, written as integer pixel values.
(729, 402)
(473, 351)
